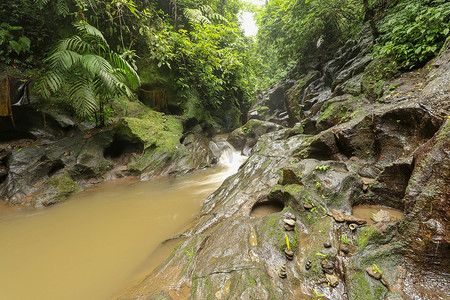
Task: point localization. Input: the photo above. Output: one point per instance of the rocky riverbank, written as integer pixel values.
(45, 156)
(331, 136)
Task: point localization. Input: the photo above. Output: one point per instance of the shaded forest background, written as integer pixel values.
(191, 58)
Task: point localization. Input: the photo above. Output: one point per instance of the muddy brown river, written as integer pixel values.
(100, 241)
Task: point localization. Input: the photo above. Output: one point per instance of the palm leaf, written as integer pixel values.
(83, 97)
(95, 64)
(131, 75)
(51, 82)
(91, 30)
(63, 60)
(62, 8)
(195, 16)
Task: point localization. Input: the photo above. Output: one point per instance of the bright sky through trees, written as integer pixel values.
(247, 21)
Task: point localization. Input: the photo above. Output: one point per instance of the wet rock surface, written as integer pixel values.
(45, 156)
(344, 149)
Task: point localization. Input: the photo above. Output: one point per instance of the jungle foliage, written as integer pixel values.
(199, 44)
(408, 31)
(414, 31)
(88, 72)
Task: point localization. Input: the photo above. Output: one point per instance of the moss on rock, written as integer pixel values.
(58, 188)
(375, 75)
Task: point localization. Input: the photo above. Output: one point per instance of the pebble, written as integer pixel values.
(308, 265)
(307, 206)
(291, 216)
(288, 227)
(289, 222)
(332, 279)
(282, 273)
(327, 244)
(289, 254)
(345, 249)
(327, 266)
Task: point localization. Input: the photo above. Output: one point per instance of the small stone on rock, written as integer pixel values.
(332, 279)
(291, 216)
(288, 227)
(326, 264)
(308, 265)
(289, 222)
(345, 249)
(327, 245)
(372, 273)
(308, 206)
(289, 254)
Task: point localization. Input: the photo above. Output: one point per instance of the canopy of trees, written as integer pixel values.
(199, 45)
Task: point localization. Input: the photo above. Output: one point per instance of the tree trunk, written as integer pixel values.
(369, 16)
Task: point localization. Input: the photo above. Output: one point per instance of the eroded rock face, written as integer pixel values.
(392, 153)
(55, 158)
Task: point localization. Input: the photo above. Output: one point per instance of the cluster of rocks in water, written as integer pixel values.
(353, 137)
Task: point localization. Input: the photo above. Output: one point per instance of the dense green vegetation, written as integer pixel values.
(193, 54)
(198, 50)
(407, 31)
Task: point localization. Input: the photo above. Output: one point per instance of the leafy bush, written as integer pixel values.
(12, 42)
(211, 59)
(88, 72)
(414, 32)
(290, 29)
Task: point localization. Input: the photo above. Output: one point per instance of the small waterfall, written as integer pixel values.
(229, 160)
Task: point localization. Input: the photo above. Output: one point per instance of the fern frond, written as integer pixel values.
(91, 30)
(131, 75)
(195, 16)
(62, 8)
(74, 43)
(208, 12)
(63, 60)
(41, 3)
(82, 93)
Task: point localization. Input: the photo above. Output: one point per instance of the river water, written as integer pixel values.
(100, 241)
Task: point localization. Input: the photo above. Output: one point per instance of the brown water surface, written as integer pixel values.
(101, 240)
(366, 212)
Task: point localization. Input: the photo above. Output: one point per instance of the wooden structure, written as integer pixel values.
(5, 96)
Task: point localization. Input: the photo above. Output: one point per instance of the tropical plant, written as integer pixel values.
(12, 42)
(344, 238)
(414, 31)
(289, 30)
(203, 15)
(91, 74)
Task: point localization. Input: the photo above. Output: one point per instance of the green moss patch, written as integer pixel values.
(375, 75)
